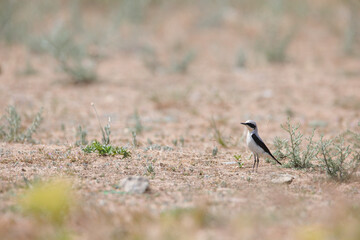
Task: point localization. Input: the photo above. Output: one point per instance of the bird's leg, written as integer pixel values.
(257, 164)
(254, 162)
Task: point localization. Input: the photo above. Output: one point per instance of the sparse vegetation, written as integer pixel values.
(215, 151)
(176, 141)
(157, 71)
(182, 65)
(72, 58)
(275, 44)
(52, 200)
(240, 59)
(276, 36)
(351, 39)
(217, 133)
(238, 160)
(134, 140)
(12, 26)
(106, 149)
(150, 169)
(81, 135)
(12, 129)
(338, 159)
(105, 131)
(292, 148)
(138, 126)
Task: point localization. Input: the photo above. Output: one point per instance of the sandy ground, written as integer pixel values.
(317, 83)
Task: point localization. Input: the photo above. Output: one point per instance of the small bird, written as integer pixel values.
(256, 144)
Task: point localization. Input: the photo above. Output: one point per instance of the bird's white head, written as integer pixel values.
(251, 125)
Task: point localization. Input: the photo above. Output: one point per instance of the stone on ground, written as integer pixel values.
(135, 184)
(283, 179)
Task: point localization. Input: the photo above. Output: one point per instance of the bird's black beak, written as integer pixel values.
(244, 123)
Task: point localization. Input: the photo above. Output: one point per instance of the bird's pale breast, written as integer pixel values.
(253, 146)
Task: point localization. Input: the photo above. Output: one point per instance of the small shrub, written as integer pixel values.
(291, 148)
(274, 44)
(334, 156)
(354, 137)
(72, 57)
(339, 160)
(106, 150)
(277, 34)
(13, 131)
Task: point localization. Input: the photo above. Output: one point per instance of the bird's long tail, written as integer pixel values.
(274, 158)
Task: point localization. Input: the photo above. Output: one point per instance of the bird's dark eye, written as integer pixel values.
(251, 125)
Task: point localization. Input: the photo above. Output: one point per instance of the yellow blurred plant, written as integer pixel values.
(49, 200)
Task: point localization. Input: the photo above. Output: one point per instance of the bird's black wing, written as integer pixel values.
(263, 146)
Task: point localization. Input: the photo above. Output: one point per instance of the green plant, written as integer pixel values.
(12, 27)
(218, 135)
(351, 34)
(291, 148)
(274, 43)
(150, 169)
(176, 141)
(13, 131)
(138, 128)
(215, 151)
(182, 141)
(238, 160)
(158, 147)
(106, 150)
(81, 135)
(105, 131)
(51, 200)
(277, 36)
(354, 137)
(72, 57)
(237, 157)
(134, 140)
(131, 11)
(334, 155)
(241, 59)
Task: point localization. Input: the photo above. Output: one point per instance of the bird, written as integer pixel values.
(256, 144)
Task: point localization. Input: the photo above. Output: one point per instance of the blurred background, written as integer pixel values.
(231, 60)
